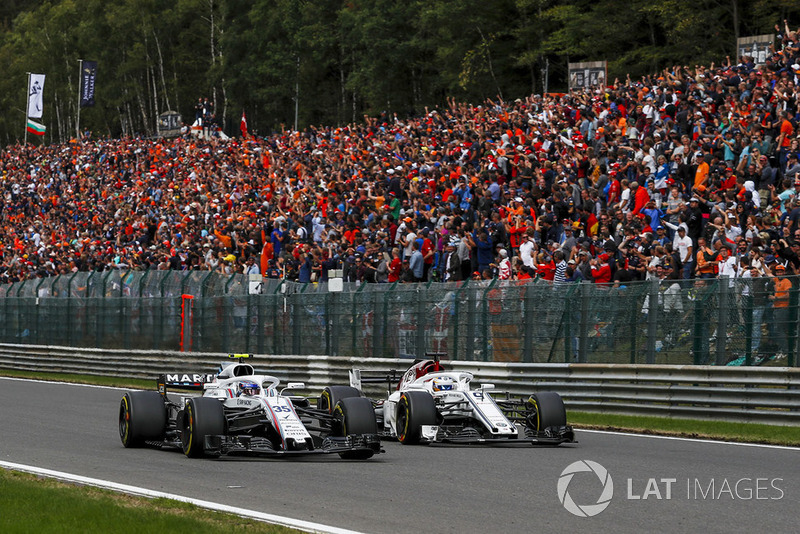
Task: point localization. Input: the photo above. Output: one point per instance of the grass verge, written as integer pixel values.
(54, 506)
(690, 428)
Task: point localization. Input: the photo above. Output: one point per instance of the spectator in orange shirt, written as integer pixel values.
(701, 175)
(784, 140)
(780, 304)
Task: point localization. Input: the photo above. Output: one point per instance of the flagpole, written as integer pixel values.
(78, 122)
(27, 102)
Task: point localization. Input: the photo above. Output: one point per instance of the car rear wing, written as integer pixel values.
(390, 378)
(184, 381)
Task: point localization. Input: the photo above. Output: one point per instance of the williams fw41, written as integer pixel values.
(431, 405)
(244, 413)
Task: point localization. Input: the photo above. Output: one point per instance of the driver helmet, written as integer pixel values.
(249, 388)
(444, 383)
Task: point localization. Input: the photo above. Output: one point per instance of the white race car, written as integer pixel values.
(432, 405)
(241, 412)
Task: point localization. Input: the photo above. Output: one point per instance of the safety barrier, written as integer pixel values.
(763, 395)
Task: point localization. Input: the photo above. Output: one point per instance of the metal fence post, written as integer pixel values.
(354, 321)
(377, 322)
(18, 328)
(277, 331)
(527, 320)
(70, 314)
(327, 308)
(698, 332)
(583, 322)
(6, 322)
(632, 311)
(422, 323)
(200, 305)
(567, 315)
(723, 293)
(748, 328)
(389, 293)
(457, 316)
(297, 319)
(487, 341)
(161, 312)
(334, 324)
(35, 333)
(794, 324)
(469, 353)
(652, 320)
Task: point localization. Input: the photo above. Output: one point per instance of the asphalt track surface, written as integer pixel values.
(73, 429)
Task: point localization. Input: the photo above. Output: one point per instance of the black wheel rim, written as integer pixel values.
(124, 421)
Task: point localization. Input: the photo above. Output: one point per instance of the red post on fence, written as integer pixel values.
(187, 322)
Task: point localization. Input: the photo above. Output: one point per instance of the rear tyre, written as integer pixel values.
(414, 409)
(331, 396)
(547, 409)
(201, 417)
(355, 416)
(142, 417)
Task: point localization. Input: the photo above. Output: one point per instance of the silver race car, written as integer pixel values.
(244, 413)
(432, 405)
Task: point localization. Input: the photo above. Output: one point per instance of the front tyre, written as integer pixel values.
(355, 416)
(331, 396)
(142, 417)
(201, 417)
(546, 410)
(414, 409)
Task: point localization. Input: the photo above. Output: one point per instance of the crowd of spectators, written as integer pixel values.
(688, 173)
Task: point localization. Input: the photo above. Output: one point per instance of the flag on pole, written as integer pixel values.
(35, 128)
(243, 126)
(35, 100)
(88, 74)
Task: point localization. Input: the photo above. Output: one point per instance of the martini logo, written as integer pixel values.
(585, 510)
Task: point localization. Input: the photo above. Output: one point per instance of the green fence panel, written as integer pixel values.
(714, 321)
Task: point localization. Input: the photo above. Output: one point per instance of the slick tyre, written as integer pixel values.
(547, 409)
(355, 416)
(331, 396)
(414, 409)
(201, 417)
(142, 417)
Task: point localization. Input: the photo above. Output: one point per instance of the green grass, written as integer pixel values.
(33, 504)
(693, 428)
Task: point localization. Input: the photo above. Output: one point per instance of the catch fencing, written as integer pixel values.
(755, 394)
(701, 322)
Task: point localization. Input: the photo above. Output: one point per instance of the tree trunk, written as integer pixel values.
(735, 9)
(161, 72)
(154, 81)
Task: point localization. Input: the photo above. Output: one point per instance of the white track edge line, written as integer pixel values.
(307, 526)
(695, 440)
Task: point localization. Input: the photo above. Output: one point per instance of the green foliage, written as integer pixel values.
(338, 59)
